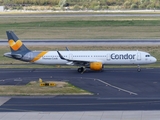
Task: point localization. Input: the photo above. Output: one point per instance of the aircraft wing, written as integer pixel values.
(77, 62)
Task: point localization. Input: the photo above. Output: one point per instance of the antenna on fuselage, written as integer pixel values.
(67, 49)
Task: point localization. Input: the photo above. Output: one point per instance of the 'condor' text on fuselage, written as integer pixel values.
(126, 56)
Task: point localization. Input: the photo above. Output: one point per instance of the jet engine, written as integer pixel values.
(96, 66)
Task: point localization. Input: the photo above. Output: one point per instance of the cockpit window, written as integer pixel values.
(147, 55)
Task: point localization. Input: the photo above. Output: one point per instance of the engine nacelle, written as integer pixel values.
(96, 66)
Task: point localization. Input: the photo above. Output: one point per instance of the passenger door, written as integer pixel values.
(138, 56)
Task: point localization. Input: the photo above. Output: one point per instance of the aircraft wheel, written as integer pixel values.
(139, 69)
(80, 70)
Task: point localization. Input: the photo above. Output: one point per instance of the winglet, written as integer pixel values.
(61, 56)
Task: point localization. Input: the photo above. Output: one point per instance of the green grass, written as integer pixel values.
(81, 23)
(81, 27)
(102, 32)
(33, 88)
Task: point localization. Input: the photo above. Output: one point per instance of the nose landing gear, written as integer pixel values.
(139, 69)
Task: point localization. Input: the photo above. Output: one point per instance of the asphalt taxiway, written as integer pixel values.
(113, 89)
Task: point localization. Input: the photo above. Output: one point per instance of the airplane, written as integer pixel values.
(94, 60)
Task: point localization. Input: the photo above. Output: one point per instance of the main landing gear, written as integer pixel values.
(139, 69)
(81, 70)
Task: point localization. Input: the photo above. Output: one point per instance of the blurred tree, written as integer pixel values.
(127, 4)
(134, 6)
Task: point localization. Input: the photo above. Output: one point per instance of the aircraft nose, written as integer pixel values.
(154, 59)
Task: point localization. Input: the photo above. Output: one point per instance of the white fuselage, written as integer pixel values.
(105, 57)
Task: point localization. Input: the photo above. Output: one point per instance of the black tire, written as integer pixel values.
(139, 70)
(80, 69)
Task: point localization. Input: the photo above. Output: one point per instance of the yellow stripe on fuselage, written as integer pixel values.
(39, 56)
